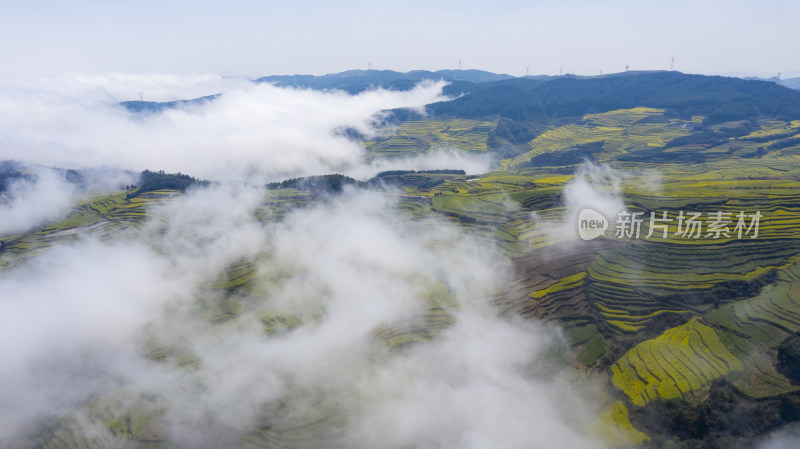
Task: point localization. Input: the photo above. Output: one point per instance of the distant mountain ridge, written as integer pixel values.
(526, 105)
(151, 107)
(792, 83)
(356, 81)
(716, 97)
(351, 81)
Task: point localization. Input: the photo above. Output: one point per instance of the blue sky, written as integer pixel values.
(254, 38)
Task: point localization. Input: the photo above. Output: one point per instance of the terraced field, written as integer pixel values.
(663, 316)
(107, 218)
(659, 318)
(615, 428)
(681, 360)
(621, 131)
(753, 328)
(420, 136)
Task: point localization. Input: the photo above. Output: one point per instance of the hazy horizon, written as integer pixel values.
(251, 39)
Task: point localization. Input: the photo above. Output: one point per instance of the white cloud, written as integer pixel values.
(782, 439)
(252, 130)
(598, 187)
(79, 321)
(46, 195)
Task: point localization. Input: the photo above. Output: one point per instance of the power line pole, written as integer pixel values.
(672, 64)
(561, 71)
(626, 67)
(459, 64)
(527, 71)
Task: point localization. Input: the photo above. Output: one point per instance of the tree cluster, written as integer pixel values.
(722, 418)
(789, 358)
(150, 181)
(322, 184)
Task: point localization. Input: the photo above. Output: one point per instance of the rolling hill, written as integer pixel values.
(682, 331)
